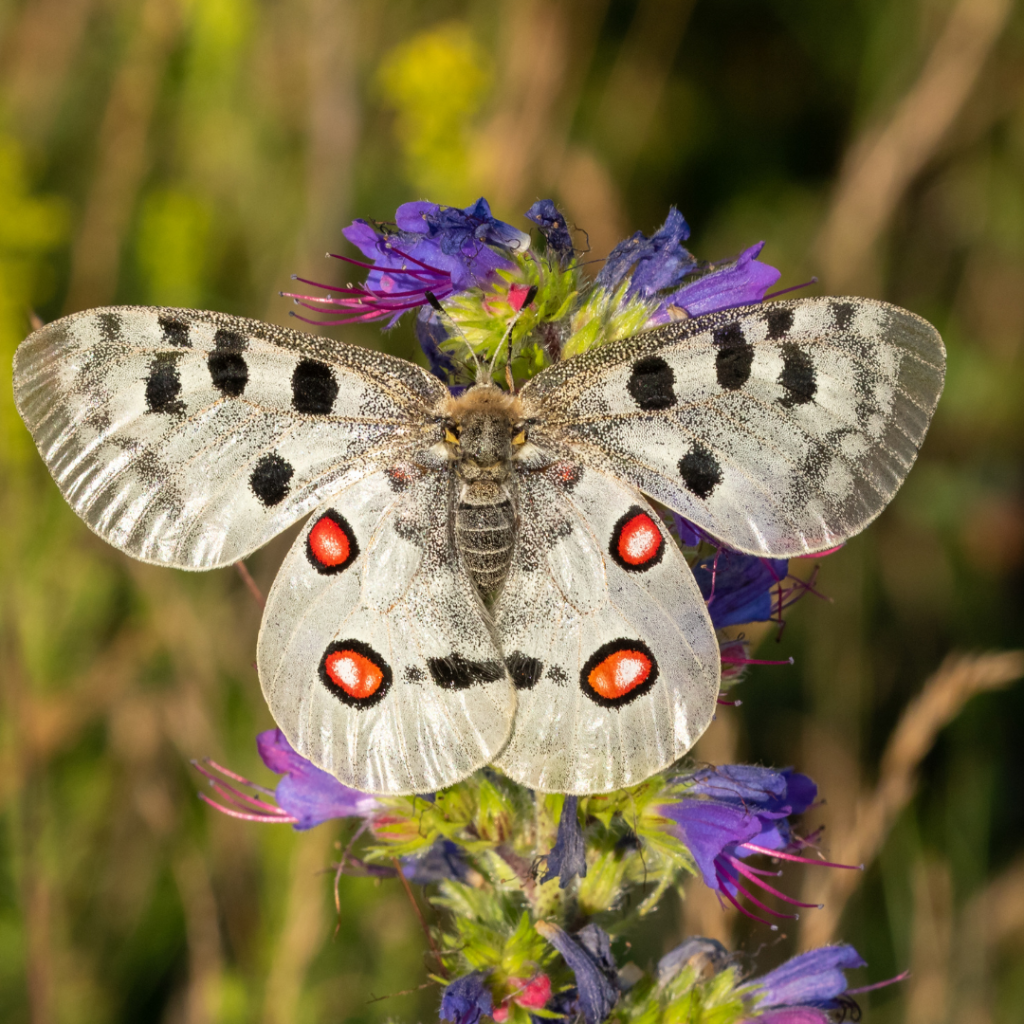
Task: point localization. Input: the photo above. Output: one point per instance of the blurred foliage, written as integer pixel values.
(201, 151)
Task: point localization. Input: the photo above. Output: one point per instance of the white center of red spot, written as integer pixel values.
(640, 540)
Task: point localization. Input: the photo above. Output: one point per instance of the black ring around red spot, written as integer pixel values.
(362, 653)
(331, 544)
(637, 543)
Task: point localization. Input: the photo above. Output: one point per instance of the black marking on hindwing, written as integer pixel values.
(163, 385)
(734, 357)
(175, 332)
(271, 479)
(314, 388)
(524, 670)
(399, 477)
(700, 470)
(797, 377)
(651, 384)
(564, 475)
(458, 673)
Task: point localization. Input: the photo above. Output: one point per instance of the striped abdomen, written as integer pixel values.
(485, 531)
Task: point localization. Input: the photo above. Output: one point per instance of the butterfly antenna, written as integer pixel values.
(436, 306)
(530, 296)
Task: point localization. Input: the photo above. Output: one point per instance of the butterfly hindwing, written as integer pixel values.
(781, 428)
(605, 634)
(375, 655)
(190, 438)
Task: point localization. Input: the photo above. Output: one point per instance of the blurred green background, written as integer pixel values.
(198, 152)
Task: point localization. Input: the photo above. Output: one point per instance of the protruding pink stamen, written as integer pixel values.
(286, 819)
(723, 883)
(753, 877)
(792, 288)
(799, 860)
(878, 984)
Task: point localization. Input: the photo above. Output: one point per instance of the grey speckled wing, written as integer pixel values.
(781, 428)
(375, 654)
(605, 633)
(190, 438)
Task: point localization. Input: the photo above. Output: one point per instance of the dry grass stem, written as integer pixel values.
(881, 165)
(943, 696)
(251, 584)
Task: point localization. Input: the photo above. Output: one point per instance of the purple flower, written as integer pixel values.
(467, 999)
(588, 954)
(309, 794)
(660, 267)
(738, 282)
(811, 979)
(733, 812)
(442, 860)
(305, 797)
(568, 857)
(430, 250)
(552, 225)
(738, 588)
(689, 535)
(656, 263)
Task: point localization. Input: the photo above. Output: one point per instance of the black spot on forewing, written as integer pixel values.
(650, 384)
(229, 373)
(230, 341)
(734, 358)
(271, 479)
(314, 388)
(780, 323)
(842, 314)
(163, 385)
(110, 325)
(700, 470)
(458, 673)
(797, 377)
(175, 332)
(525, 671)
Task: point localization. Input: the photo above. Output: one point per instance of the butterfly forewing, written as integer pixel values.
(190, 438)
(607, 638)
(374, 654)
(780, 429)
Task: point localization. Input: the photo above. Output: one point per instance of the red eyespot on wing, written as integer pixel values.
(355, 673)
(637, 543)
(618, 672)
(331, 545)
